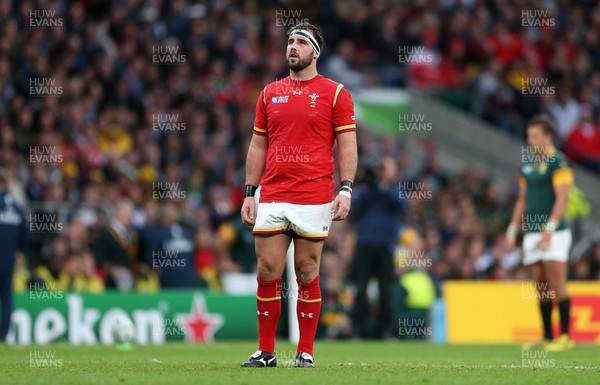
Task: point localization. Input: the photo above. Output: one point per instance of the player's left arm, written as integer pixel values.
(344, 126)
(562, 180)
(347, 159)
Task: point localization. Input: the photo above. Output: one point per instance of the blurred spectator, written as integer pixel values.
(582, 145)
(170, 250)
(414, 291)
(13, 233)
(497, 259)
(595, 261)
(338, 66)
(566, 112)
(205, 265)
(51, 274)
(22, 275)
(89, 272)
(337, 299)
(581, 270)
(237, 259)
(375, 213)
(76, 273)
(115, 249)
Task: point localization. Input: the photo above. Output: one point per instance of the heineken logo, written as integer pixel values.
(88, 319)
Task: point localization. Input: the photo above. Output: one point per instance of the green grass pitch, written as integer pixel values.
(345, 363)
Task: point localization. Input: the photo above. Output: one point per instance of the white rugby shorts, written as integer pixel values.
(558, 250)
(298, 221)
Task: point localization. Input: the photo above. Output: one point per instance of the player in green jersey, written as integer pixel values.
(539, 212)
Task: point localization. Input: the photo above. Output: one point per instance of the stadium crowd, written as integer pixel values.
(124, 127)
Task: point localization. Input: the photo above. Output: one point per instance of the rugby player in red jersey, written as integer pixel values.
(298, 120)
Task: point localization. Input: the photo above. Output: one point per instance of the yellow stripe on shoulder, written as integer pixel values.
(265, 95)
(337, 92)
(562, 176)
(522, 183)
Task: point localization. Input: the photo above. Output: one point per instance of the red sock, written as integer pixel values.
(309, 309)
(268, 304)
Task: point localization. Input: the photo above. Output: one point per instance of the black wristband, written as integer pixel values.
(347, 183)
(249, 191)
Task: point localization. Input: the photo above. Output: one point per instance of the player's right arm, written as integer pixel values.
(256, 158)
(519, 210)
(255, 166)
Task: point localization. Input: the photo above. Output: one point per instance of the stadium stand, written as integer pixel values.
(153, 102)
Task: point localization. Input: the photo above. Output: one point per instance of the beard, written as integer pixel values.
(299, 65)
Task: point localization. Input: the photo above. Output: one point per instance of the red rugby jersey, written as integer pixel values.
(301, 120)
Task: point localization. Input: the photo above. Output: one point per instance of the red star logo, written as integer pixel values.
(198, 324)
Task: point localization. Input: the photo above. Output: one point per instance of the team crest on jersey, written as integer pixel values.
(313, 100)
(542, 168)
(279, 99)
